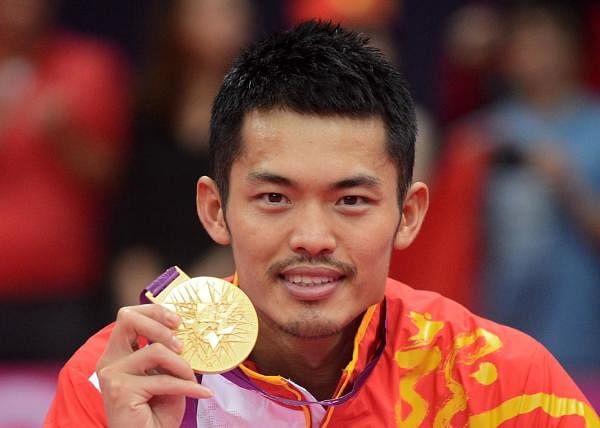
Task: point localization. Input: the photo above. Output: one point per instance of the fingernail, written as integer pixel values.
(177, 344)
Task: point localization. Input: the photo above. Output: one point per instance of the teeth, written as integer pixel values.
(308, 280)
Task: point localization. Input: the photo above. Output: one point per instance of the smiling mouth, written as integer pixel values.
(309, 281)
(312, 286)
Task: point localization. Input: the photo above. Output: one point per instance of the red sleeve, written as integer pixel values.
(549, 399)
(563, 405)
(78, 402)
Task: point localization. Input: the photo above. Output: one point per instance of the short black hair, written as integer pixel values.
(316, 68)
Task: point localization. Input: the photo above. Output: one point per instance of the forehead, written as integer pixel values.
(332, 139)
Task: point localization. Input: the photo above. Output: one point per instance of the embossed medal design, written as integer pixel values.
(219, 324)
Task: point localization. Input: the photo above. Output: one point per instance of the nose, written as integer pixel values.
(312, 233)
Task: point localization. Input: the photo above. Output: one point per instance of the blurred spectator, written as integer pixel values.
(63, 120)
(157, 225)
(542, 273)
(468, 77)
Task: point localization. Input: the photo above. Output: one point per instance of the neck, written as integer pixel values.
(315, 364)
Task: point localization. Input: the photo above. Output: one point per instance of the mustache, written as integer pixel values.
(347, 269)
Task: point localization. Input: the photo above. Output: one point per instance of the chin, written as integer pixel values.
(313, 324)
(311, 331)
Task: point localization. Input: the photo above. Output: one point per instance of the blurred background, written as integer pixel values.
(104, 112)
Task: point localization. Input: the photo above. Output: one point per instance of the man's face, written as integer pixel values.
(312, 215)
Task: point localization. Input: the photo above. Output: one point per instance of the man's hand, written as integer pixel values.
(146, 387)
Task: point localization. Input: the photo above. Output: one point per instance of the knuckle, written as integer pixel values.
(125, 313)
(113, 388)
(159, 354)
(107, 379)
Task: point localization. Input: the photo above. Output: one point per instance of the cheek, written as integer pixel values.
(373, 250)
(254, 246)
(253, 236)
(374, 242)
(372, 253)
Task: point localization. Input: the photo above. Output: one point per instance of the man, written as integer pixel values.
(312, 137)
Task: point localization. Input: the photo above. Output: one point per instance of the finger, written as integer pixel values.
(125, 396)
(164, 384)
(155, 356)
(153, 322)
(157, 312)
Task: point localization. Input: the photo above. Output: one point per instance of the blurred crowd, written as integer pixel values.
(101, 146)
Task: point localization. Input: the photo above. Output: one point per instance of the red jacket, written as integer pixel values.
(442, 367)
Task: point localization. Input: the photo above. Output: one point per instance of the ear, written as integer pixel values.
(211, 210)
(413, 213)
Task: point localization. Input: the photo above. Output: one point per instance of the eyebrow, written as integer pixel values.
(258, 177)
(359, 180)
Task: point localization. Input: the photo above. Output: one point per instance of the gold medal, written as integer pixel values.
(219, 324)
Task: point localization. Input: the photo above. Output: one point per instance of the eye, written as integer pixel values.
(274, 198)
(352, 200)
